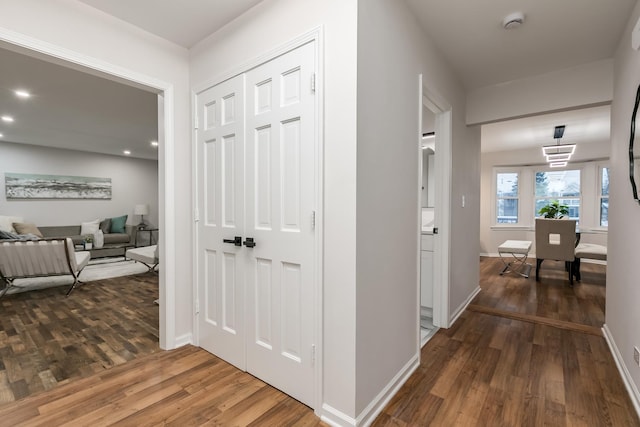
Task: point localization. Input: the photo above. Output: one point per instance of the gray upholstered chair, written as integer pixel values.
(147, 255)
(556, 240)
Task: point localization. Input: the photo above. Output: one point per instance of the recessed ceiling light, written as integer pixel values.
(7, 119)
(154, 143)
(22, 93)
(1, 135)
(127, 152)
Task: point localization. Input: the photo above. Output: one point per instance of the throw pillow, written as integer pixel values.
(118, 224)
(105, 225)
(6, 222)
(89, 227)
(6, 235)
(27, 228)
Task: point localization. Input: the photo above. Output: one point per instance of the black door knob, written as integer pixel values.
(249, 242)
(237, 241)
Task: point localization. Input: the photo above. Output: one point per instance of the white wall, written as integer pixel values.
(71, 26)
(392, 52)
(133, 181)
(490, 238)
(623, 292)
(588, 84)
(265, 27)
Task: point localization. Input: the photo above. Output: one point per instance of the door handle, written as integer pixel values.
(249, 242)
(237, 241)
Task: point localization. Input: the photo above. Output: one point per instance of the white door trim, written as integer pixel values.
(53, 53)
(315, 35)
(441, 277)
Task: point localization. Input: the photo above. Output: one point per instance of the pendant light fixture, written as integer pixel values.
(558, 155)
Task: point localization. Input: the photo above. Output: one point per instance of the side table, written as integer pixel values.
(147, 242)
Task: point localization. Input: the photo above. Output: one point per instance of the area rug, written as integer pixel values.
(98, 269)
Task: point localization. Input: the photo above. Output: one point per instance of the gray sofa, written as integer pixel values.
(115, 244)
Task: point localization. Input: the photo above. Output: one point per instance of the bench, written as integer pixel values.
(147, 255)
(40, 258)
(590, 251)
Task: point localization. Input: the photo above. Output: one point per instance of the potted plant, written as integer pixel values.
(554, 209)
(88, 242)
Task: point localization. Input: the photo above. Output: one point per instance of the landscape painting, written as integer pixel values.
(33, 186)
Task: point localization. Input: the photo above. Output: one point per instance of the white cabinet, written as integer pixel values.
(426, 271)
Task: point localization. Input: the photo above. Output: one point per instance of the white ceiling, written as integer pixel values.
(182, 22)
(582, 126)
(555, 35)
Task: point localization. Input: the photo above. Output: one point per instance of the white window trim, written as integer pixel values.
(599, 167)
(494, 198)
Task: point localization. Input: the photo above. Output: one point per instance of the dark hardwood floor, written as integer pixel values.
(48, 339)
(504, 366)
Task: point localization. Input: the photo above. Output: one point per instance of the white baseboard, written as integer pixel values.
(462, 307)
(183, 340)
(336, 418)
(624, 372)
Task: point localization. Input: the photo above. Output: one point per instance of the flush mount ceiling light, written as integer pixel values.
(127, 152)
(1, 135)
(154, 143)
(7, 119)
(513, 20)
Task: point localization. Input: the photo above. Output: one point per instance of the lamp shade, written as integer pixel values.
(141, 210)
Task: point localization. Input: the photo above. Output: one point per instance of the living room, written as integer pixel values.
(63, 124)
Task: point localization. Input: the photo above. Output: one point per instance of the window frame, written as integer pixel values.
(544, 168)
(601, 196)
(495, 198)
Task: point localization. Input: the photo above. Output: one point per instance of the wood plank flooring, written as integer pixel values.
(486, 370)
(47, 339)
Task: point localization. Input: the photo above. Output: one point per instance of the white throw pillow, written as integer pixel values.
(89, 227)
(6, 223)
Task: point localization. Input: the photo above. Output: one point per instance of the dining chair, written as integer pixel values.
(556, 240)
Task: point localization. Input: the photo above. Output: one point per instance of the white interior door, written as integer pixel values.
(256, 180)
(221, 265)
(280, 212)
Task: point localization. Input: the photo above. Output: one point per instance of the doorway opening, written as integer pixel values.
(51, 53)
(435, 187)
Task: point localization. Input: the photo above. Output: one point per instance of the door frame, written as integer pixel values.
(315, 36)
(166, 172)
(442, 241)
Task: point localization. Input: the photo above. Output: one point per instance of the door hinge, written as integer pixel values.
(313, 83)
(313, 220)
(196, 215)
(197, 306)
(313, 355)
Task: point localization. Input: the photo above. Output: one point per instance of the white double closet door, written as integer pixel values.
(256, 161)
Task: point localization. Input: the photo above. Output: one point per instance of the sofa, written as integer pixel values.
(115, 244)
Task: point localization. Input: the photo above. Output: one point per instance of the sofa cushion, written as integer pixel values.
(89, 227)
(26, 228)
(114, 238)
(118, 224)
(6, 222)
(105, 225)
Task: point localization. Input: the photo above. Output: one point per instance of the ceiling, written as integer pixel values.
(555, 35)
(74, 110)
(182, 22)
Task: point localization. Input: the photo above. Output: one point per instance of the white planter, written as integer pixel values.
(88, 246)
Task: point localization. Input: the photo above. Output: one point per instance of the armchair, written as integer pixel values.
(556, 240)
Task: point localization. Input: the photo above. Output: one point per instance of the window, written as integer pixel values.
(562, 185)
(507, 198)
(604, 197)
